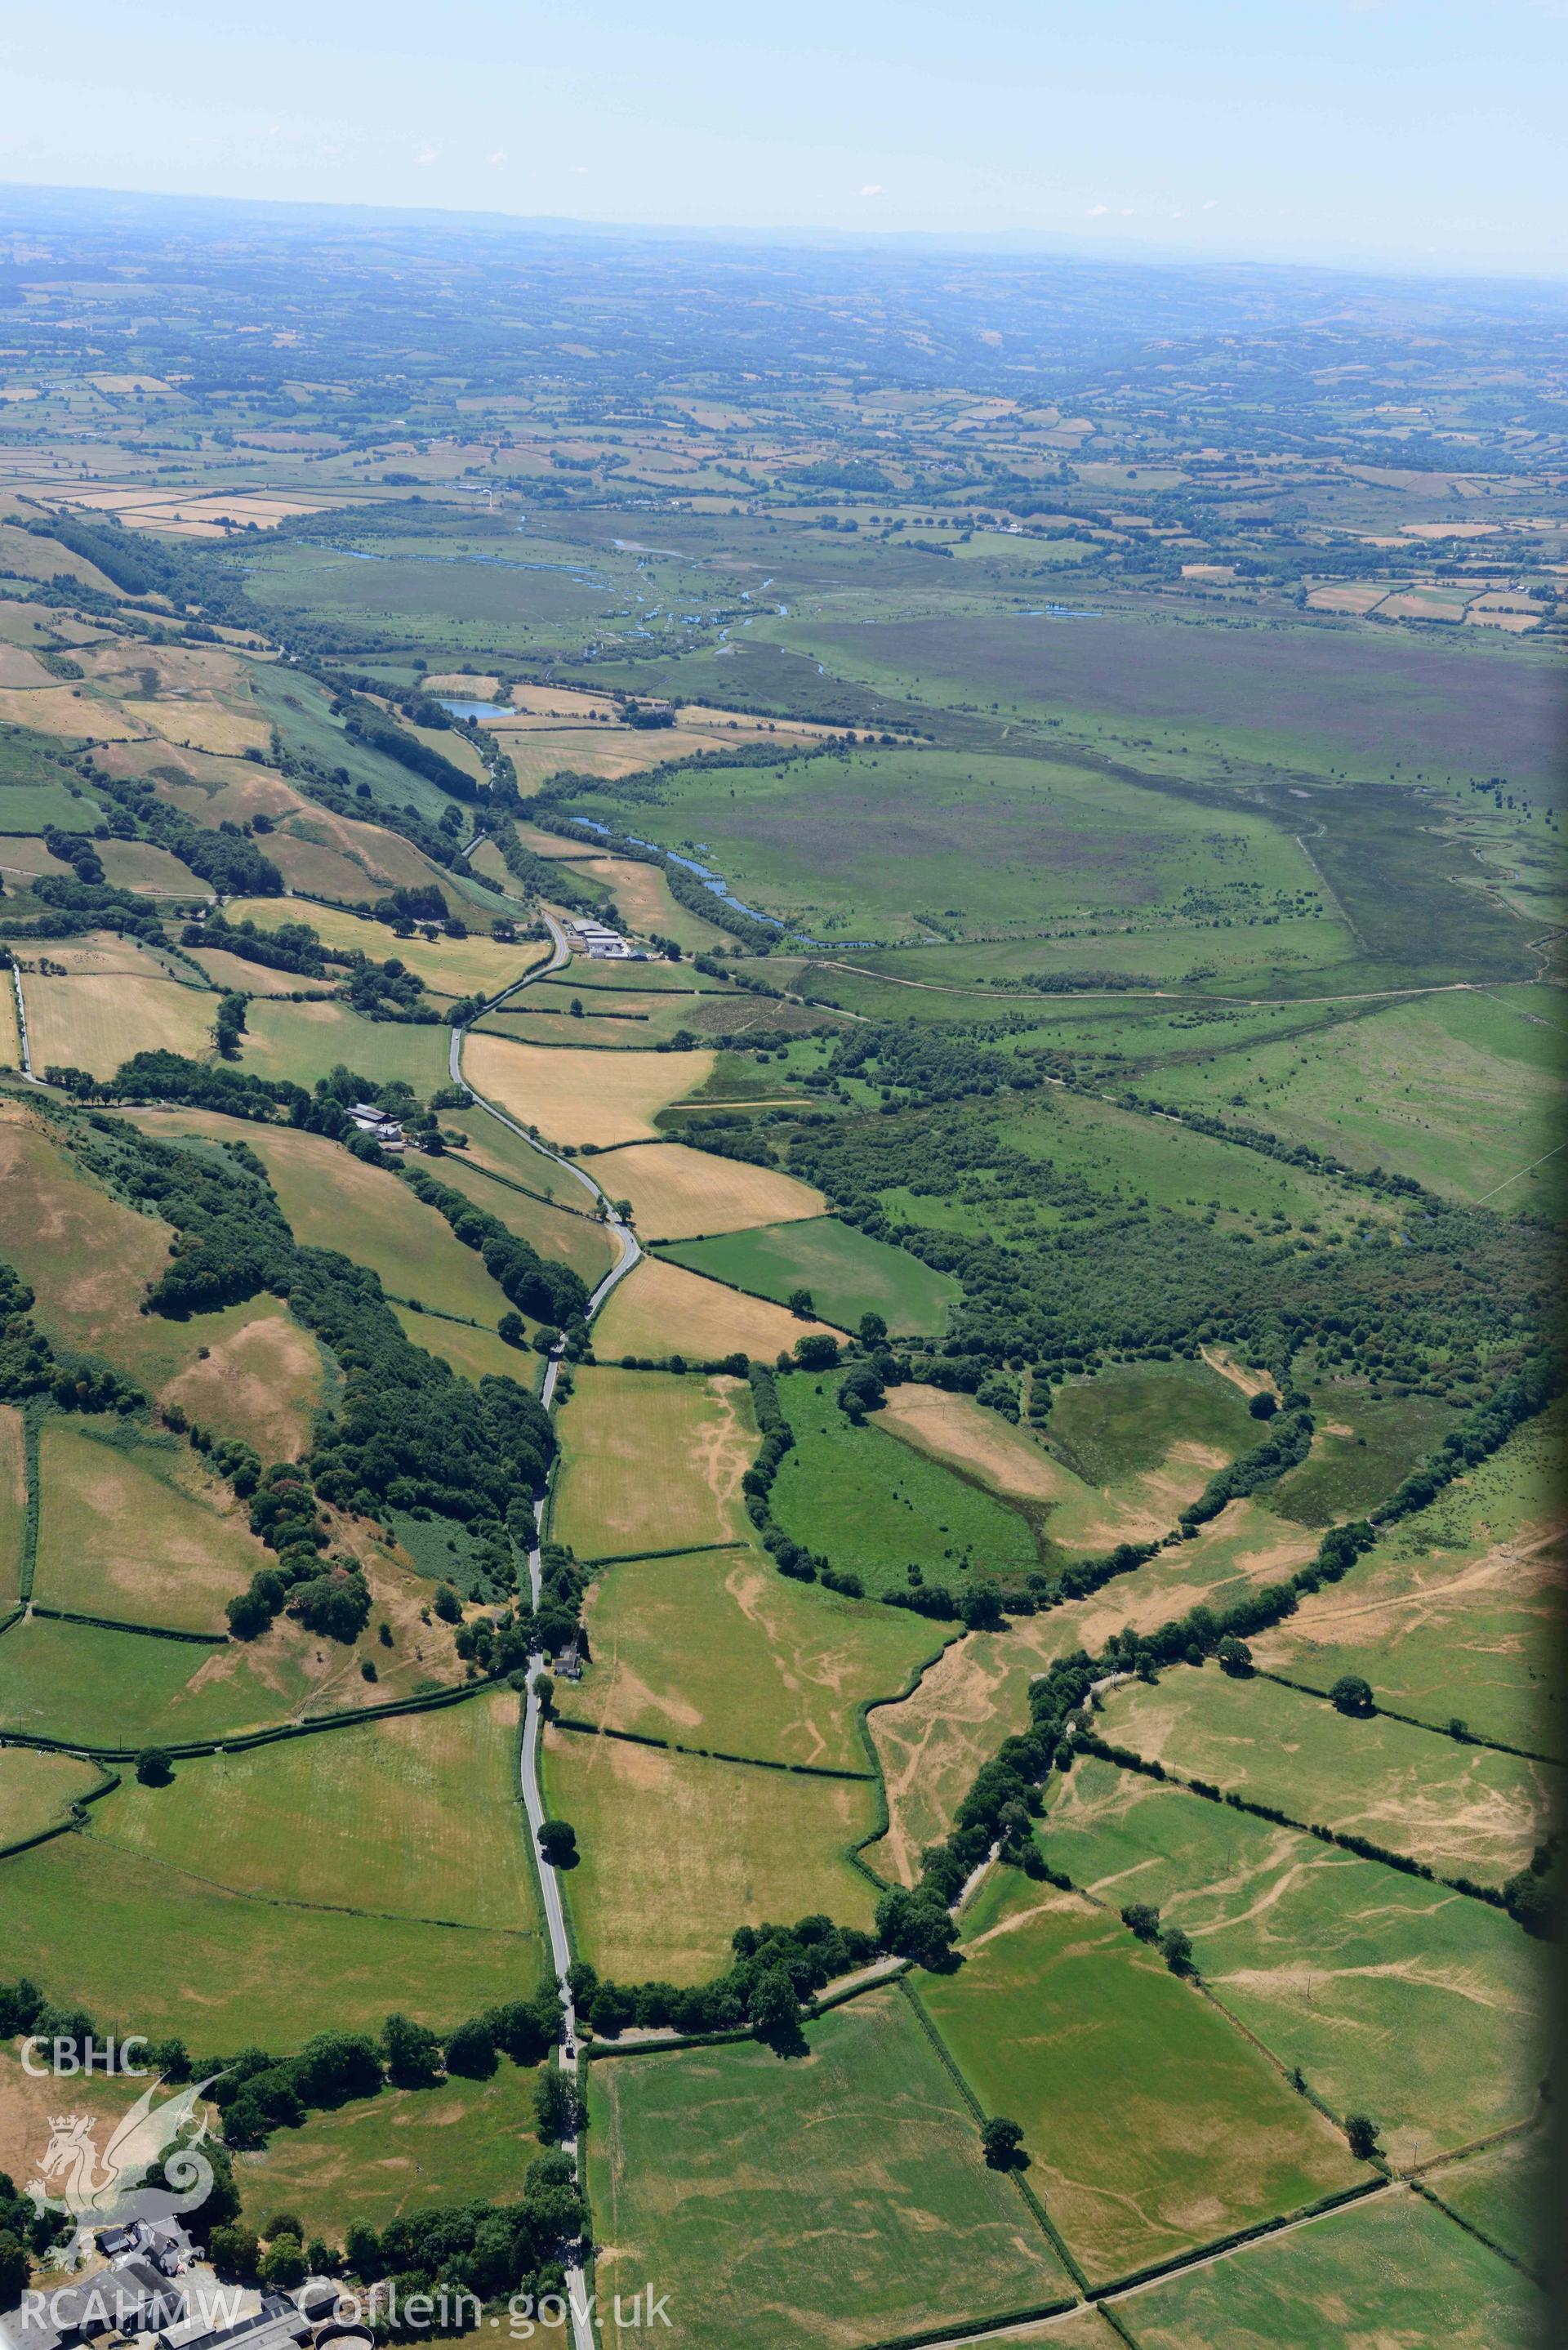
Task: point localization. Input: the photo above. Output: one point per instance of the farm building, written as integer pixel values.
(602, 943)
(379, 1124)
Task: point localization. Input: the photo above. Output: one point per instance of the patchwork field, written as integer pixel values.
(651, 1462)
(1462, 1809)
(235, 1970)
(1396, 1998)
(892, 2225)
(1390, 2270)
(460, 2141)
(660, 1309)
(677, 1851)
(578, 1241)
(578, 1096)
(476, 965)
(1054, 2001)
(1455, 1608)
(846, 1274)
(1506, 2191)
(415, 1816)
(127, 1535)
(676, 1192)
(719, 1651)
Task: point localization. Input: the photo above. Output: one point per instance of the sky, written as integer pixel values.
(1424, 133)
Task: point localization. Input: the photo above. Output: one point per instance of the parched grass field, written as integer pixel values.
(1152, 2125)
(13, 1503)
(660, 1309)
(232, 1970)
(651, 1462)
(1464, 1809)
(932, 1744)
(496, 1147)
(647, 904)
(581, 1097)
(37, 1789)
(1122, 1423)
(677, 1851)
(717, 1649)
(577, 1241)
(874, 1507)
(1396, 1998)
(1457, 1609)
(839, 2198)
(1389, 2270)
(95, 1021)
(128, 1534)
(476, 965)
(141, 865)
(306, 1040)
(333, 1200)
(260, 1376)
(416, 1816)
(462, 2141)
(1506, 2190)
(677, 1192)
(847, 1273)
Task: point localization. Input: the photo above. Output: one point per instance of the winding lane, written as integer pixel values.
(628, 1250)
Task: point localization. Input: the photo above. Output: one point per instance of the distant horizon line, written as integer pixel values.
(1116, 250)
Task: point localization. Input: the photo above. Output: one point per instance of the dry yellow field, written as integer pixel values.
(22, 852)
(472, 966)
(677, 1193)
(13, 1506)
(97, 1020)
(261, 1379)
(201, 725)
(651, 1461)
(578, 1096)
(678, 1851)
(461, 688)
(117, 1538)
(28, 557)
(643, 896)
(20, 668)
(661, 1309)
(64, 711)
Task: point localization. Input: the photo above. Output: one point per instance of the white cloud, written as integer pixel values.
(427, 155)
(876, 189)
(498, 157)
(1097, 212)
(1210, 205)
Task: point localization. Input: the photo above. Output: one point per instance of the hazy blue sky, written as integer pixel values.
(1427, 130)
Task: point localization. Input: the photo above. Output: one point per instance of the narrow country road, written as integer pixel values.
(584, 2333)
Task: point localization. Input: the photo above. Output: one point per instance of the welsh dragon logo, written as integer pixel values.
(110, 2189)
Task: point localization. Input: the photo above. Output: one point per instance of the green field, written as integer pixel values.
(1396, 1998)
(1455, 1610)
(891, 2223)
(1363, 1448)
(874, 1507)
(37, 1790)
(1464, 1810)
(651, 1462)
(1457, 1089)
(227, 1972)
(718, 1650)
(892, 844)
(1125, 1422)
(306, 1040)
(473, 1354)
(677, 1851)
(416, 1816)
(1391, 2272)
(460, 2141)
(1506, 2191)
(1055, 2001)
(12, 1503)
(847, 1273)
(126, 1688)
